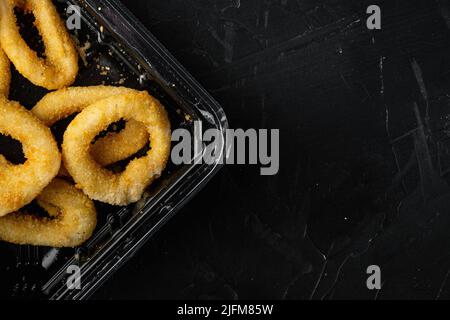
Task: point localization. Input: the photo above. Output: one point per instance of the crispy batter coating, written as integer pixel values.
(99, 183)
(20, 184)
(113, 147)
(5, 74)
(60, 67)
(116, 147)
(72, 221)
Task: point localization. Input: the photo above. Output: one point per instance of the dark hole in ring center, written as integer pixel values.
(12, 150)
(29, 32)
(59, 128)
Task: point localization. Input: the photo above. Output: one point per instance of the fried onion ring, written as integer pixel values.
(5, 74)
(60, 67)
(113, 147)
(20, 184)
(99, 183)
(72, 221)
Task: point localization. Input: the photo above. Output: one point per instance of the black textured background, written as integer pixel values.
(365, 153)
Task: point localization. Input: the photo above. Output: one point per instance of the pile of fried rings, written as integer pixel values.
(47, 175)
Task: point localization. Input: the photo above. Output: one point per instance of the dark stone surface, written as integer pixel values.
(365, 153)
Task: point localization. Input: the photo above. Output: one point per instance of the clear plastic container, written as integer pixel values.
(118, 51)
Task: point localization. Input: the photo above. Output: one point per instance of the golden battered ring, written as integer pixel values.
(60, 67)
(113, 147)
(20, 184)
(99, 183)
(72, 221)
(5, 74)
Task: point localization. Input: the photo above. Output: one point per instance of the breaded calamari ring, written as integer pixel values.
(60, 67)
(113, 147)
(20, 184)
(72, 221)
(5, 74)
(99, 183)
